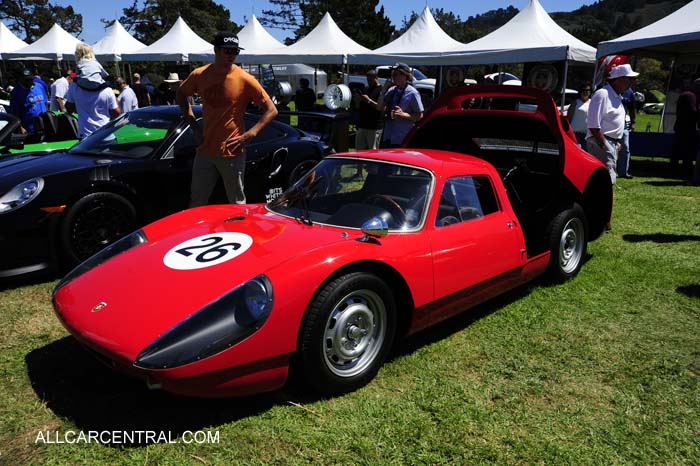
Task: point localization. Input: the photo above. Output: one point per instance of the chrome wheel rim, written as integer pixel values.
(354, 333)
(571, 245)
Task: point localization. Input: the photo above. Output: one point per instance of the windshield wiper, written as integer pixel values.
(305, 214)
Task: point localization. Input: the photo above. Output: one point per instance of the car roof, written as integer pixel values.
(437, 161)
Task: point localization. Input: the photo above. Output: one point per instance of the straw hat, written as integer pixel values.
(172, 78)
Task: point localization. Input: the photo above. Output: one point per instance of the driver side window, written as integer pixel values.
(465, 198)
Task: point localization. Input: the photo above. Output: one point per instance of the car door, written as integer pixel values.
(475, 243)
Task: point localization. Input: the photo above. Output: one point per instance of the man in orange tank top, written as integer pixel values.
(226, 90)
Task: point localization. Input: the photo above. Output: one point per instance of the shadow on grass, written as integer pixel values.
(77, 387)
(659, 168)
(692, 291)
(668, 183)
(7, 284)
(660, 238)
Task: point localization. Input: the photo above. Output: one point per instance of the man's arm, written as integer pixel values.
(114, 112)
(269, 113)
(183, 102)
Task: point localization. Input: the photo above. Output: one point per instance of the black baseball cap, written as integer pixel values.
(226, 40)
(26, 73)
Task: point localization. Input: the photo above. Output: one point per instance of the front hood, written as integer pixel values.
(17, 168)
(143, 295)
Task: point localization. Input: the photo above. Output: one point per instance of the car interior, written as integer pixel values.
(522, 148)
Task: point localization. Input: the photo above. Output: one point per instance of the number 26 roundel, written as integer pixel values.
(207, 250)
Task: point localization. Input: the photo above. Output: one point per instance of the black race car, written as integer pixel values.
(59, 208)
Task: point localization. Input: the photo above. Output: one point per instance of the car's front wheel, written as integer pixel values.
(346, 333)
(94, 222)
(568, 242)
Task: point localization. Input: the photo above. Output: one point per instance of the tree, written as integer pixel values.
(149, 23)
(33, 18)
(359, 19)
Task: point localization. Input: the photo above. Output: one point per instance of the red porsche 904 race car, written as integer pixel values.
(366, 248)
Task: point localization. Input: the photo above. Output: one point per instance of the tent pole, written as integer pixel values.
(566, 77)
(668, 88)
(500, 76)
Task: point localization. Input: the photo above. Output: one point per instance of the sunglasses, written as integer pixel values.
(585, 90)
(229, 51)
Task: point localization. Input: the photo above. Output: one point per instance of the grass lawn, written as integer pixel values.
(643, 119)
(604, 369)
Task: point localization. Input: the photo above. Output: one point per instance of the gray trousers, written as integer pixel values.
(205, 173)
(368, 138)
(608, 155)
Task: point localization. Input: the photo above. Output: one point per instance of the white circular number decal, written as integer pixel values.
(207, 250)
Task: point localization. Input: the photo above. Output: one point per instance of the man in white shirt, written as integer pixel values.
(59, 88)
(95, 108)
(606, 118)
(127, 97)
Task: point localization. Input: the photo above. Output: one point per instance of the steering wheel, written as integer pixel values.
(394, 206)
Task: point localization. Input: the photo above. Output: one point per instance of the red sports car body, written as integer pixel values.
(369, 246)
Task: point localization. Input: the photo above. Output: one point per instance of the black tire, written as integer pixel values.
(94, 222)
(567, 236)
(347, 333)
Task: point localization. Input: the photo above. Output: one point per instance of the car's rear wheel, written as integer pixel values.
(568, 242)
(94, 222)
(347, 332)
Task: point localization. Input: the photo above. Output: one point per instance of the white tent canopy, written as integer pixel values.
(326, 43)
(56, 44)
(530, 36)
(425, 38)
(254, 40)
(176, 45)
(9, 42)
(676, 34)
(116, 42)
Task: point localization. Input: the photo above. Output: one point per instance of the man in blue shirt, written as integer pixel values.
(400, 102)
(28, 100)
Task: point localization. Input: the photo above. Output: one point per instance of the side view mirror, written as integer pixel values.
(373, 229)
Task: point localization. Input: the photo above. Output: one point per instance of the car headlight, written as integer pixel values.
(20, 195)
(130, 241)
(214, 328)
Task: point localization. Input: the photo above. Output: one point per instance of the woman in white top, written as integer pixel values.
(578, 112)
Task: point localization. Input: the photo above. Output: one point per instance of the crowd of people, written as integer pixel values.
(88, 90)
(602, 121)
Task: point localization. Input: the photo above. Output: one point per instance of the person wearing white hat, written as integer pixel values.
(606, 117)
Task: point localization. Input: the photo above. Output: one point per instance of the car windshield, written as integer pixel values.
(347, 192)
(135, 135)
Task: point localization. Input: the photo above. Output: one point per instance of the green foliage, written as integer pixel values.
(360, 19)
(608, 19)
(31, 19)
(150, 22)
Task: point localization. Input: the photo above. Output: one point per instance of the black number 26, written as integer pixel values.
(211, 252)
